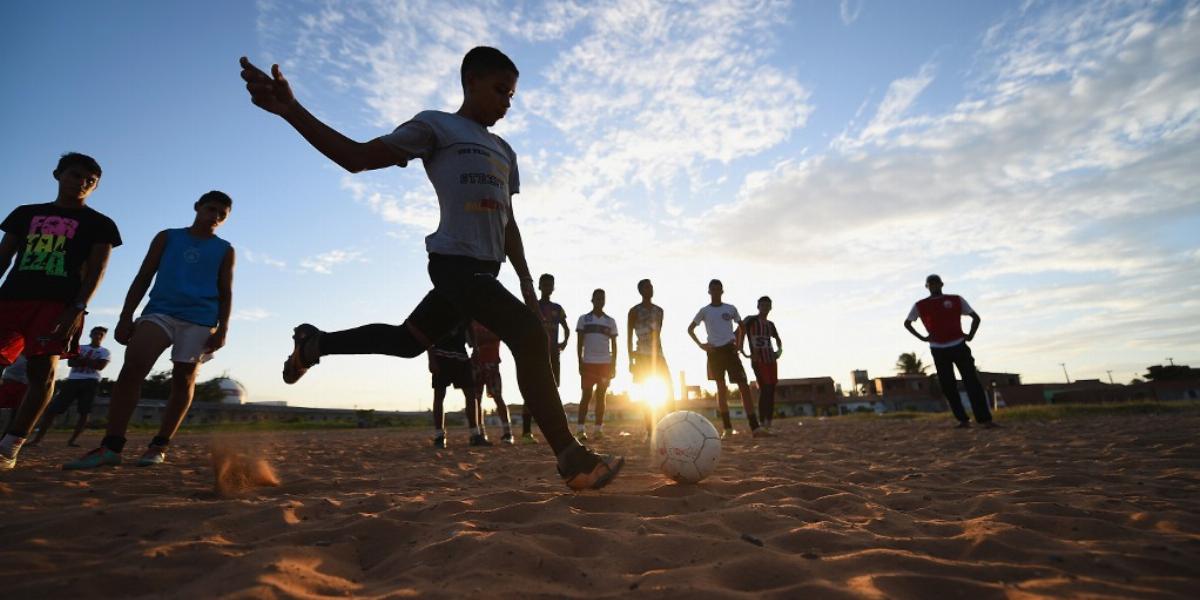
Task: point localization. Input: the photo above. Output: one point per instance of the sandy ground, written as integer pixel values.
(1086, 507)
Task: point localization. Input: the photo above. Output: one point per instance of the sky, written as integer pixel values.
(1040, 156)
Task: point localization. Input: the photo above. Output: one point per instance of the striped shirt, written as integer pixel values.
(759, 332)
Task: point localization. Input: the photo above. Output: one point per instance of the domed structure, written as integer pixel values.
(232, 391)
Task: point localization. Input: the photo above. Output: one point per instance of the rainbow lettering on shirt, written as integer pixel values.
(46, 245)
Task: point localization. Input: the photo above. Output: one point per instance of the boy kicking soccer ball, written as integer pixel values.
(474, 173)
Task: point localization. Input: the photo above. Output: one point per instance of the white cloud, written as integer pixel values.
(251, 314)
(849, 10)
(325, 262)
(1079, 144)
(262, 258)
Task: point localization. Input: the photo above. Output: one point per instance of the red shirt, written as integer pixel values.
(942, 318)
(487, 344)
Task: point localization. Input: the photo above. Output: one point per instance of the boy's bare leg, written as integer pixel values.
(723, 405)
(601, 392)
(502, 413)
(41, 385)
(183, 389)
(747, 403)
(80, 425)
(145, 346)
(439, 408)
(46, 423)
(584, 400)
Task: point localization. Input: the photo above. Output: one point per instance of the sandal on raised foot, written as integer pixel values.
(296, 366)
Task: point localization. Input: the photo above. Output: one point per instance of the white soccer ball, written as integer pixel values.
(686, 446)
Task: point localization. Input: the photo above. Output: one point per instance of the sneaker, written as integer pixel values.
(100, 457)
(581, 436)
(761, 432)
(7, 463)
(154, 455)
(528, 438)
(728, 433)
(296, 366)
(480, 440)
(963, 425)
(507, 439)
(599, 435)
(439, 442)
(606, 469)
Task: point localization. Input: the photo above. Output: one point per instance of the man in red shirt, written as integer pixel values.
(941, 314)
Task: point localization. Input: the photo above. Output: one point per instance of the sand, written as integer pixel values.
(1099, 507)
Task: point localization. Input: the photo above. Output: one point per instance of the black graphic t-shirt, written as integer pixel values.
(53, 243)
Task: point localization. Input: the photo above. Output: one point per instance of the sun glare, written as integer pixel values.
(652, 393)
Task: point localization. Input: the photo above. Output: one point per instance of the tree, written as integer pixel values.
(910, 364)
(1171, 372)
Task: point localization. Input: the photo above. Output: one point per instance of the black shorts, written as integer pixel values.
(649, 366)
(82, 391)
(451, 372)
(724, 360)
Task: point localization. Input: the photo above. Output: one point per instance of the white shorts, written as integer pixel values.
(187, 339)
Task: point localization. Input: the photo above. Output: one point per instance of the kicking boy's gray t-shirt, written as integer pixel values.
(474, 174)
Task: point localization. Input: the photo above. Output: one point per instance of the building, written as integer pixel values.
(806, 396)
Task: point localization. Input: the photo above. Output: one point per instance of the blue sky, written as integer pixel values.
(1040, 156)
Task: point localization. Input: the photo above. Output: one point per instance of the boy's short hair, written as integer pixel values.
(99, 328)
(546, 277)
(642, 284)
(765, 299)
(716, 282)
(214, 196)
(483, 60)
(598, 291)
(75, 159)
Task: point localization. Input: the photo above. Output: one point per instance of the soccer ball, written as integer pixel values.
(686, 446)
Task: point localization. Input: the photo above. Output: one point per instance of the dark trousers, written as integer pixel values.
(463, 289)
(945, 359)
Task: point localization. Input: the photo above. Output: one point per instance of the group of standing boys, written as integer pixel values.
(596, 351)
(54, 256)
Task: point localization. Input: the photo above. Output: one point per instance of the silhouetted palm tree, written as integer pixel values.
(909, 364)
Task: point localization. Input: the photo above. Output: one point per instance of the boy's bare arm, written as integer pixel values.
(224, 303)
(93, 274)
(8, 249)
(514, 249)
(629, 336)
(566, 332)
(138, 288)
(274, 95)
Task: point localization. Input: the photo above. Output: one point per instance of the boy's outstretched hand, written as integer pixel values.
(270, 93)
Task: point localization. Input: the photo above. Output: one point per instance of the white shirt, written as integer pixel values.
(718, 323)
(473, 172)
(596, 333)
(16, 371)
(90, 352)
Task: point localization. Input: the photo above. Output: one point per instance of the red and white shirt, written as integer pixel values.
(759, 332)
(942, 318)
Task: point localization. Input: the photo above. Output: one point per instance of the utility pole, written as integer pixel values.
(1109, 377)
(1064, 368)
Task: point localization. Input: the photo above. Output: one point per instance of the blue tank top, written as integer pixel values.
(185, 286)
